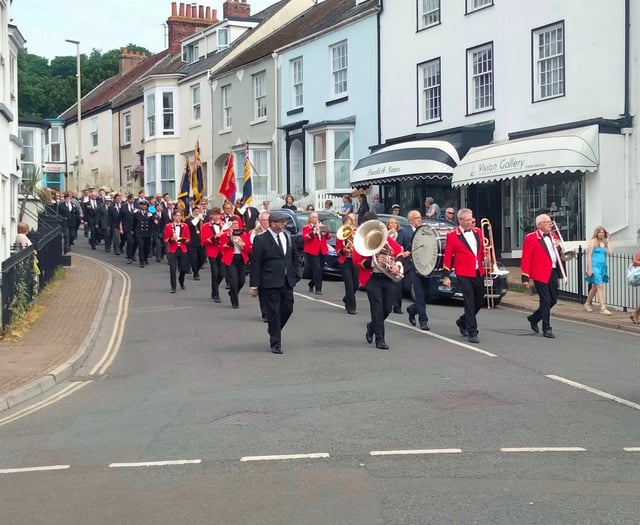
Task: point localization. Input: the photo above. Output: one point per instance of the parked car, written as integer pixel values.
(297, 219)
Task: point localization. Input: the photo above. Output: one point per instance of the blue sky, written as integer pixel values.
(113, 24)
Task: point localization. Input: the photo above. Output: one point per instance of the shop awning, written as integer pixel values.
(419, 159)
(569, 150)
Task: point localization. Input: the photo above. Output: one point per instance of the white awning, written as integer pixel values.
(569, 150)
(418, 159)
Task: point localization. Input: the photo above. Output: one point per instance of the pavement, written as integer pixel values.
(58, 343)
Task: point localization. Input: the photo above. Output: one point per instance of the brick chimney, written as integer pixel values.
(186, 20)
(236, 9)
(130, 59)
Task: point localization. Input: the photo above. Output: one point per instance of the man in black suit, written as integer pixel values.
(274, 265)
(143, 229)
(128, 214)
(91, 219)
(115, 222)
(71, 217)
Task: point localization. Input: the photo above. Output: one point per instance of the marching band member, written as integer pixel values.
(196, 249)
(380, 288)
(236, 247)
(314, 237)
(541, 262)
(210, 239)
(177, 237)
(347, 268)
(143, 228)
(464, 253)
(228, 213)
(396, 233)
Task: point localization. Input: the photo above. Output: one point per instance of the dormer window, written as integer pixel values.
(223, 37)
(190, 53)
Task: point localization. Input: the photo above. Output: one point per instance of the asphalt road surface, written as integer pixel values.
(195, 421)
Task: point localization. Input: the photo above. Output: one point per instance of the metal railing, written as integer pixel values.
(617, 292)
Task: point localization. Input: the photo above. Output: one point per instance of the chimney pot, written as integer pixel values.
(214, 15)
(201, 11)
(174, 9)
(181, 13)
(207, 13)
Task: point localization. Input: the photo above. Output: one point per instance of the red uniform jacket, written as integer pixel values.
(209, 239)
(459, 257)
(227, 251)
(536, 262)
(185, 238)
(359, 261)
(313, 245)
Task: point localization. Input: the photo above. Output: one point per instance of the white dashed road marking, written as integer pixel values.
(415, 452)
(543, 449)
(595, 391)
(285, 456)
(34, 469)
(156, 463)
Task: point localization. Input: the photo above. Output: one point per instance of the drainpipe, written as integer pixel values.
(379, 102)
(276, 115)
(627, 176)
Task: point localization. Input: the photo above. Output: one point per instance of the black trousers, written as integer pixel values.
(131, 245)
(93, 234)
(473, 295)
(196, 259)
(350, 279)
(419, 307)
(548, 294)
(381, 292)
(144, 247)
(316, 264)
(278, 303)
(178, 262)
(235, 273)
(216, 276)
(116, 240)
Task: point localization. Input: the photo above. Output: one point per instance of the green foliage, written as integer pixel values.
(47, 90)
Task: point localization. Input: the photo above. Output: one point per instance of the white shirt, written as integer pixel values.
(472, 241)
(550, 248)
(283, 240)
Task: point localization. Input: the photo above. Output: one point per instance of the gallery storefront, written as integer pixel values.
(511, 182)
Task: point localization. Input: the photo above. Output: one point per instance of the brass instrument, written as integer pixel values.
(566, 255)
(370, 240)
(345, 233)
(490, 262)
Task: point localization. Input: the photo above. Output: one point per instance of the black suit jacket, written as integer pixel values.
(250, 217)
(405, 235)
(72, 217)
(270, 268)
(127, 218)
(115, 216)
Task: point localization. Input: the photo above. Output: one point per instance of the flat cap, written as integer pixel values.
(276, 216)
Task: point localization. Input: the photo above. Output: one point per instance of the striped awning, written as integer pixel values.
(416, 160)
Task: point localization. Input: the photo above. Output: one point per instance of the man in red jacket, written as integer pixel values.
(210, 238)
(541, 261)
(177, 236)
(464, 254)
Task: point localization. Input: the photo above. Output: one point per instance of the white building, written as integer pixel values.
(554, 83)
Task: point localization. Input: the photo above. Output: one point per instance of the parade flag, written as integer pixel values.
(247, 187)
(228, 183)
(185, 186)
(197, 182)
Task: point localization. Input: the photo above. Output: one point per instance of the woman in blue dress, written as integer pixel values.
(597, 274)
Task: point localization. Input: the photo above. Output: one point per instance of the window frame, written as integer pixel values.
(168, 111)
(190, 53)
(167, 178)
(57, 130)
(336, 72)
(536, 86)
(126, 125)
(297, 82)
(421, 13)
(259, 81)
(93, 133)
(469, 8)
(330, 160)
(472, 109)
(150, 115)
(422, 104)
(196, 105)
(227, 107)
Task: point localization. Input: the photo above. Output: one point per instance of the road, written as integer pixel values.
(195, 420)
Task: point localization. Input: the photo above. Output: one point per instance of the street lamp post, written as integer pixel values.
(79, 96)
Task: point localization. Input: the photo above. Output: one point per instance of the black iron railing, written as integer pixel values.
(618, 292)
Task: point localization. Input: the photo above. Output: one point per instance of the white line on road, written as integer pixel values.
(409, 452)
(34, 469)
(595, 391)
(316, 455)
(156, 463)
(631, 449)
(543, 449)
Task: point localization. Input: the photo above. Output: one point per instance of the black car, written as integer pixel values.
(295, 222)
(436, 291)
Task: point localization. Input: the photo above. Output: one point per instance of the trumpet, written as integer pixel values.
(490, 262)
(345, 234)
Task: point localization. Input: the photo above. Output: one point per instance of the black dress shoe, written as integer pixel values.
(196, 277)
(351, 312)
(534, 325)
(311, 287)
(146, 261)
(369, 333)
(129, 261)
(463, 331)
(182, 286)
(412, 317)
(142, 266)
(397, 310)
(474, 339)
(215, 299)
(318, 292)
(235, 306)
(173, 290)
(381, 345)
(276, 349)
(424, 326)
(265, 320)
(549, 334)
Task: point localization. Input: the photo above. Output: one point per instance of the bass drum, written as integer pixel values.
(427, 248)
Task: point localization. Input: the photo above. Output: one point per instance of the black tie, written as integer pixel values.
(279, 243)
(547, 235)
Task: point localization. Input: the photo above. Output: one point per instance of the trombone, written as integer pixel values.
(563, 254)
(490, 263)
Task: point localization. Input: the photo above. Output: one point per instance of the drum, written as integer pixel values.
(427, 248)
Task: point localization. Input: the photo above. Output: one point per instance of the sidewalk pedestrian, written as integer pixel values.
(636, 313)
(597, 275)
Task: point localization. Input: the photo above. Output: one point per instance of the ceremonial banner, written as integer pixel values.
(185, 187)
(247, 187)
(228, 183)
(197, 183)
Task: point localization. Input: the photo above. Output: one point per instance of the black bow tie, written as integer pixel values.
(546, 235)
(468, 231)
